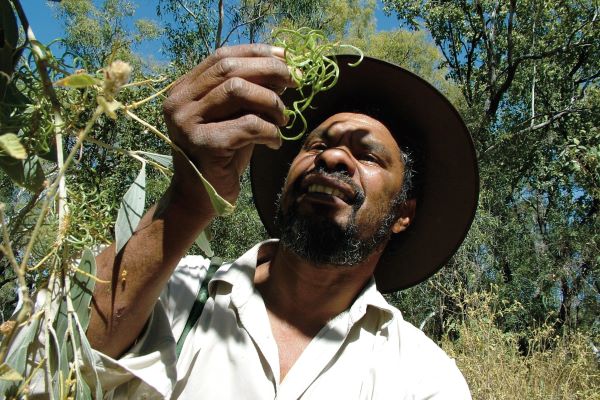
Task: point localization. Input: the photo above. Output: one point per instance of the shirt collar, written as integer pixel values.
(371, 300)
(240, 275)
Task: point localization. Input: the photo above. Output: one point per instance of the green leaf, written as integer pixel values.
(131, 210)
(221, 206)
(78, 81)
(204, 244)
(17, 357)
(162, 159)
(88, 357)
(82, 389)
(59, 360)
(27, 173)
(7, 373)
(82, 287)
(11, 145)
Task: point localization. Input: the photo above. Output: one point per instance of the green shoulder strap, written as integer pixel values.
(199, 303)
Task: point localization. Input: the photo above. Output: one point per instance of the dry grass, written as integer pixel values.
(554, 367)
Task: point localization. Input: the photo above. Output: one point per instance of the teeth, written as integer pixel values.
(324, 189)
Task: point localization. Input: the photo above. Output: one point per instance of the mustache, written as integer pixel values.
(340, 176)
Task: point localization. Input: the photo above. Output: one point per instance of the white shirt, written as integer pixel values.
(366, 352)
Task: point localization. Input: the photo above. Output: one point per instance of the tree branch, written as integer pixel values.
(242, 24)
(190, 12)
(218, 42)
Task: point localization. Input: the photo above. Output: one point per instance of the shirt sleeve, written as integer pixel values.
(149, 368)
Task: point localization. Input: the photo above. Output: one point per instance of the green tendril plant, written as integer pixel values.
(311, 59)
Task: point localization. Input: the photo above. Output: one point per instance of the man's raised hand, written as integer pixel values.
(218, 111)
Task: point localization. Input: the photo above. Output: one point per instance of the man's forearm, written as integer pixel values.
(140, 271)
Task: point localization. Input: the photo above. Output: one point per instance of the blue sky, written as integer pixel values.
(46, 28)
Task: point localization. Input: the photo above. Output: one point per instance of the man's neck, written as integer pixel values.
(308, 295)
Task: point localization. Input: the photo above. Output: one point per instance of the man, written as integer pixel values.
(299, 318)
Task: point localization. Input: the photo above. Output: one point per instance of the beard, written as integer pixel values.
(320, 240)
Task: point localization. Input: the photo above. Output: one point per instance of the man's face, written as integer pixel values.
(340, 199)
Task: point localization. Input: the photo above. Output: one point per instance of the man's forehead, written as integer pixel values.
(363, 128)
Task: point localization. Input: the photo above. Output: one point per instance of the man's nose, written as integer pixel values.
(336, 159)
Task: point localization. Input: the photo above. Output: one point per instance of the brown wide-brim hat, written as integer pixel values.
(447, 172)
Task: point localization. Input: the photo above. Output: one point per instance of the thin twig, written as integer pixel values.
(20, 272)
(54, 187)
(135, 105)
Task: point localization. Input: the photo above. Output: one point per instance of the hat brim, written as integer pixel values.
(449, 179)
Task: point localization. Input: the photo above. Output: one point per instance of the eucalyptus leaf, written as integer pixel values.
(162, 159)
(59, 363)
(82, 389)
(11, 145)
(88, 356)
(27, 173)
(17, 357)
(204, 244)
(221, 206)
(131, 210)
(61, 321)
(78, 81)
(82, 287)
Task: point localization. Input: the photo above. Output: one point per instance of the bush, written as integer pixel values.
(538, 364)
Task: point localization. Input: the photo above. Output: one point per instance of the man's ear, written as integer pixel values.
(406, 213)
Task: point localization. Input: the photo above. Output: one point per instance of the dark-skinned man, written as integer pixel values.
(377, 198)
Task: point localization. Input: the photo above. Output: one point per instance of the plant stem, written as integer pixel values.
(54, 187)
(222, 206)
(135, 105)
(20, 272)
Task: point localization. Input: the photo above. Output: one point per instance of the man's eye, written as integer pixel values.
(370, 158)
(319, 146)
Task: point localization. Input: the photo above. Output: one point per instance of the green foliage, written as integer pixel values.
(523, 74)
(231, 236)
(200, 27)
(528, 75)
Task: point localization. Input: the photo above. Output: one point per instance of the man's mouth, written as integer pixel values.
(330, 186)
(314, 188)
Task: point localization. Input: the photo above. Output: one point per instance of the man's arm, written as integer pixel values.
(216, 113)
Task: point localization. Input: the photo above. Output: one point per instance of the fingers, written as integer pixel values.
(221, 55)
(237, 96)
(236, 134)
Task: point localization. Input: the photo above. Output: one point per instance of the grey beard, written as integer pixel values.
(321, 241)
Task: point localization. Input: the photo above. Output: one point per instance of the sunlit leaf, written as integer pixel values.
(27, 173)
(78, 81)
(11, 145)
(162, 159)
(221, 206)
(17, 357)
(131, 210)
(88, 358)
(204, 244)
(59, 362)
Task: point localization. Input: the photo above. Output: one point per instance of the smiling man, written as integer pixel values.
(377, 198)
